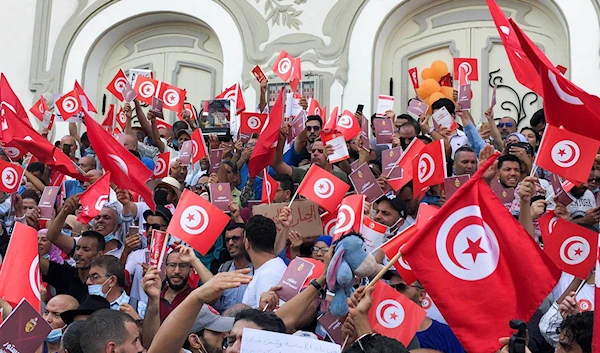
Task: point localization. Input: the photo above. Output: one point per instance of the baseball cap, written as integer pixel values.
(160, 211)
(210, 319)
(187, 131)
(398, 204)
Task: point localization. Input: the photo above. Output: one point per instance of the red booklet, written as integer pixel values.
(24, 330)
(220, 195)
(291, 283)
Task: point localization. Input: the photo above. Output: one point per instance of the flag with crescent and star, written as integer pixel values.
(571, 246)
(197, 222)
(93, 199)
(394, 315)
(11, 177)
(466, 246)
(567, 154)
(429, 167)
(323, 188)
(264, 150)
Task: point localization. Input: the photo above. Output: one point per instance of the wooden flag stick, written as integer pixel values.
(294, 197)
(386, 268)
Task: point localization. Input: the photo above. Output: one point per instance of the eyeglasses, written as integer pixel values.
(317, 249)
(235, 239)
(173, 265)
(505, 124)
(154, 226)
(401, 287)
(313, 128)
(320, 150)
(96, 277)
(228, 341)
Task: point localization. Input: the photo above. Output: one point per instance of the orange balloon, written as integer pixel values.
(439, 68)
(435, 97)
(428, 73)
(421, 93)
(447, 91)
(430, 86)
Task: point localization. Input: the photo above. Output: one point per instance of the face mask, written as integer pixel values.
(391, 230)
(109, 237)
(66, 232)
(47, 256)
(176, 144)
(160, 197)
(96, 289)
(596, 190)
(54, 335)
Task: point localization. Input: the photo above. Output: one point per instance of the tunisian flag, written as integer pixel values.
(197, 222)
(350, 214)
(571, 246)
(284, 66)
(22, 262)
(396, 244)
(596, 333)
(199, 149)
(161, 165)
(116, 85)
(94, 198)
(524, 71)
(252, 123)
(466, 245)
(173, 97)
(10, 101)
(84, 98)
(430, 167)
(235, 94)
(348, 125)
(264, 151)
(39, 108)
(565, 104)
(405, 162)
(567, 154)
(69, 105)
(11, 176)
(127, 172)
(394, 315)
(323, 188)
(269, 188)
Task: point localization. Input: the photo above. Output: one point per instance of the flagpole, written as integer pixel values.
(293, 197)
(384, 270)
(267, 182)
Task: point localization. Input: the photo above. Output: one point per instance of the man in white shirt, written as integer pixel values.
(259, 242)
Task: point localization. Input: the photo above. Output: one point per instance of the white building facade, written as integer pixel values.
(351, 50)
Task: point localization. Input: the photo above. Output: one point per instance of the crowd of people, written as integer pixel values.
(100, 294)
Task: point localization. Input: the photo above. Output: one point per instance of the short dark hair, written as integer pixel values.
(579, 328)
(233, 166)
(535, 133)
(315, 118)
(285, 181)
(443, 102)
(97, 236)
(265, 320)
(508, 158)
(180, 125)
(426, 139)
(464, 148)
(405, 117)
(233, 226)
(84, 137)
(70, 338)
(376, 343)
(411, 125)
(30, 194)
(261, 233)
(36, 167)
(136, 154)
(538, 117)
(102, 327)
(112, 266)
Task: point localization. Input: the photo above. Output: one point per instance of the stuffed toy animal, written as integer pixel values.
(350, 259)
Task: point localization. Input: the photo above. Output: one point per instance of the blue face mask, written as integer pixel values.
(109, 237)
(596, 190)
(54, 335)
(96, 289)
(176, 144)
(66, 232)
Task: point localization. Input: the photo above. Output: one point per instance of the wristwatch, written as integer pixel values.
(318, 287)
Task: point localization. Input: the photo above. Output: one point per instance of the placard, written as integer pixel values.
(260, 341)
(451, 184)
(364, 183)
(220, 195)
(305, 216)
(185, 153)
(259, 74)
(389, 162)
(442, 118)
(384, 131)
(333, 327)
(338, 143)
(384, 103)
(417, 107)
(294, 277)
(215, 160)
(464, 96)
(158, 247)
(24, 330)
(47, 201)
(364, 134)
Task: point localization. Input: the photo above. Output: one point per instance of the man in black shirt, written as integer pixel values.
(72, 280)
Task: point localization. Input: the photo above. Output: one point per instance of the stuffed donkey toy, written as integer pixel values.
(350, 259)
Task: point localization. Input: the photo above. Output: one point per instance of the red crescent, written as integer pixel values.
(382, 312)
(201, 221)
(568, 246)
(453, 233)
(572, 154)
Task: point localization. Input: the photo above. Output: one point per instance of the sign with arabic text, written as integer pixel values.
(305, 216)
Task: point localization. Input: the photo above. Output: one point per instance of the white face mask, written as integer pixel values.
(391, 230)
(96, 289)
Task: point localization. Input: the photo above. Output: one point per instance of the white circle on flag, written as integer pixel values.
(565, 153)
(389, 313)
(254, 123)
(324, 188)
(552, 224)
(194, 220)
(120, 84)
(574, 250)
(284, 66)
(100, 202)
(345, 121)
(426, 167)
(160, 166)
(122, 117)
(466, 245)
(317, 111)
(10, 177)
(171, 97)
(147, 89)
(34, 277)
(70, 105)
(11, 152)
(345, 219)
(329, 227)
(120, 163)
(194, 149)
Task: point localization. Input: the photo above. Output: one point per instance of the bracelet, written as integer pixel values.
(317, 286)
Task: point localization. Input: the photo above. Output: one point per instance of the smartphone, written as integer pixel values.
(67, 149)
(524, 145)
(360, 108)
(538, 197)
(135, 229)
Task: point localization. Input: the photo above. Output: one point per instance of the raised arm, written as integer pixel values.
(151, 284)
(55, 235)
(278, 164)
(263, 96)
(494, 132)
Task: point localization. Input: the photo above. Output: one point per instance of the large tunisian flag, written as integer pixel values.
(472, 266)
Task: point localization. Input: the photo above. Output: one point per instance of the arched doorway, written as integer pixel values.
(416, 36)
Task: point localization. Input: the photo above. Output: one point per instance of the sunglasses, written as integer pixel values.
(153, 226)
(594, 180)
(235, 239)
(505, 124)
(401, 287)
(313, 128)
(320, 150)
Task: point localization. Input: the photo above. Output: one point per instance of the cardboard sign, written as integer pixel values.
(389, 163)
(493, 97)
(216, 113)
(220, 195)
(292, 105)
(259, 74)
(260, 341)
(338, 143)
(364, 183)
(215, 160)
(451, 184)
(294, 277)
(185, 153)
(465, 70)
(158, 247)
(417, 107)
(24, 329)
(364, 134)
(305, 216)
(442, 118)
(384, 131)
(332, 326)
(464, 96)
(47, 201)
(384, 103)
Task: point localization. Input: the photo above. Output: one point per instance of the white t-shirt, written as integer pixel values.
(585, 297)
(134, 267)
(578, 207)
(265, 277)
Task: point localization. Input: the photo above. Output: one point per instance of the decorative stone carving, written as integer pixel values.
(281, 13)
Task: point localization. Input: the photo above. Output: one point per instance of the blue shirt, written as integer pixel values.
(231, 296)
(439, 337)
(73, 187)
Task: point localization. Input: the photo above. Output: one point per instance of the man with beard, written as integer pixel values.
(208, 332)
(303, 143)
(509, 171)
(583, 209)
(177, 288)
(72, 280)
